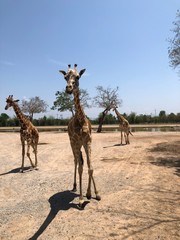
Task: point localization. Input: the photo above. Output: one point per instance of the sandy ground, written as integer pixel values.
(139, 185)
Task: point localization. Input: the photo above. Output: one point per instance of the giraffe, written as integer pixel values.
(79, 131)
(28, 133)
(124, 126)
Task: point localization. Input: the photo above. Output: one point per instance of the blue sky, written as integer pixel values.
(120, 43)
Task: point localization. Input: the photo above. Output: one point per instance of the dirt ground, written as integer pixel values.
(139, 185)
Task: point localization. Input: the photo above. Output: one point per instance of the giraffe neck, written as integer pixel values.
(79, 112)
(119, 116)
(20, 115)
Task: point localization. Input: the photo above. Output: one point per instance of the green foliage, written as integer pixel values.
(50, 121)
(171, 118)
(108, 119)
(3, 119)
(174, 48)
(65, 102)
(133, 118)
(162, 116)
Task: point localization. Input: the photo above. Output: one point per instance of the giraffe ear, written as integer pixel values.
(81, 72)
(63, 72)
(16, 100)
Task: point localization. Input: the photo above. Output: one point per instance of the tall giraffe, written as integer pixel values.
(28, 133)
(124, 126)
(79, 130)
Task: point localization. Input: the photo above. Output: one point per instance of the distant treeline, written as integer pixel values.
(133, 118)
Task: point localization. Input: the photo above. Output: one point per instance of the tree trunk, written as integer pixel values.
(101, 119)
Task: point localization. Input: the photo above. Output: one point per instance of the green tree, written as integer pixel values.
(34, 105)
(162, 113)
(109, 119)
(178, 118)
(3, 119)
(162, 116)
(174, 48)
(171, 118)
(65, 102)
(132, 117)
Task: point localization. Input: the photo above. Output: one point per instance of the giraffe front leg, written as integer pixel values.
(90, 172)
(90, 169)
(75, 171)
(80, 170)
(128, 138)
(75, 165)
(36, 145)
(125, 137)
(121, 136)
(36, 162)
(78, 160)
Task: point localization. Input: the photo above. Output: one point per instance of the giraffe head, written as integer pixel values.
(10, 101)
(113, 105)
(72, 77)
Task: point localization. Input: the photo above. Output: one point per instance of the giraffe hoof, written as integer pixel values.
(98, 197)
(74, 188)
(88, 196)
(81, 201)
(36, 168)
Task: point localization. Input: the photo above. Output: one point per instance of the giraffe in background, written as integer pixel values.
(79, 130)
(124, 126)
(28, 133)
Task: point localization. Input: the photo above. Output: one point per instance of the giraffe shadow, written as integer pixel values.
(17, 170)
(116, 145)
(59, 201)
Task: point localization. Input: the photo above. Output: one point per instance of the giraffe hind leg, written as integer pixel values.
(98, 197)
(23, 154)
(28, 155)
(34, 146)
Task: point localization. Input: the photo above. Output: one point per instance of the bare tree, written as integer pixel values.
(174, 48)
(106, 98)
(33, 105)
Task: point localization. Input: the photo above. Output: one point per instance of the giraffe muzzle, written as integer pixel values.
(69, 89)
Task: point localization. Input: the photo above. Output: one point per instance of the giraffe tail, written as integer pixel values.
(131, 133)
